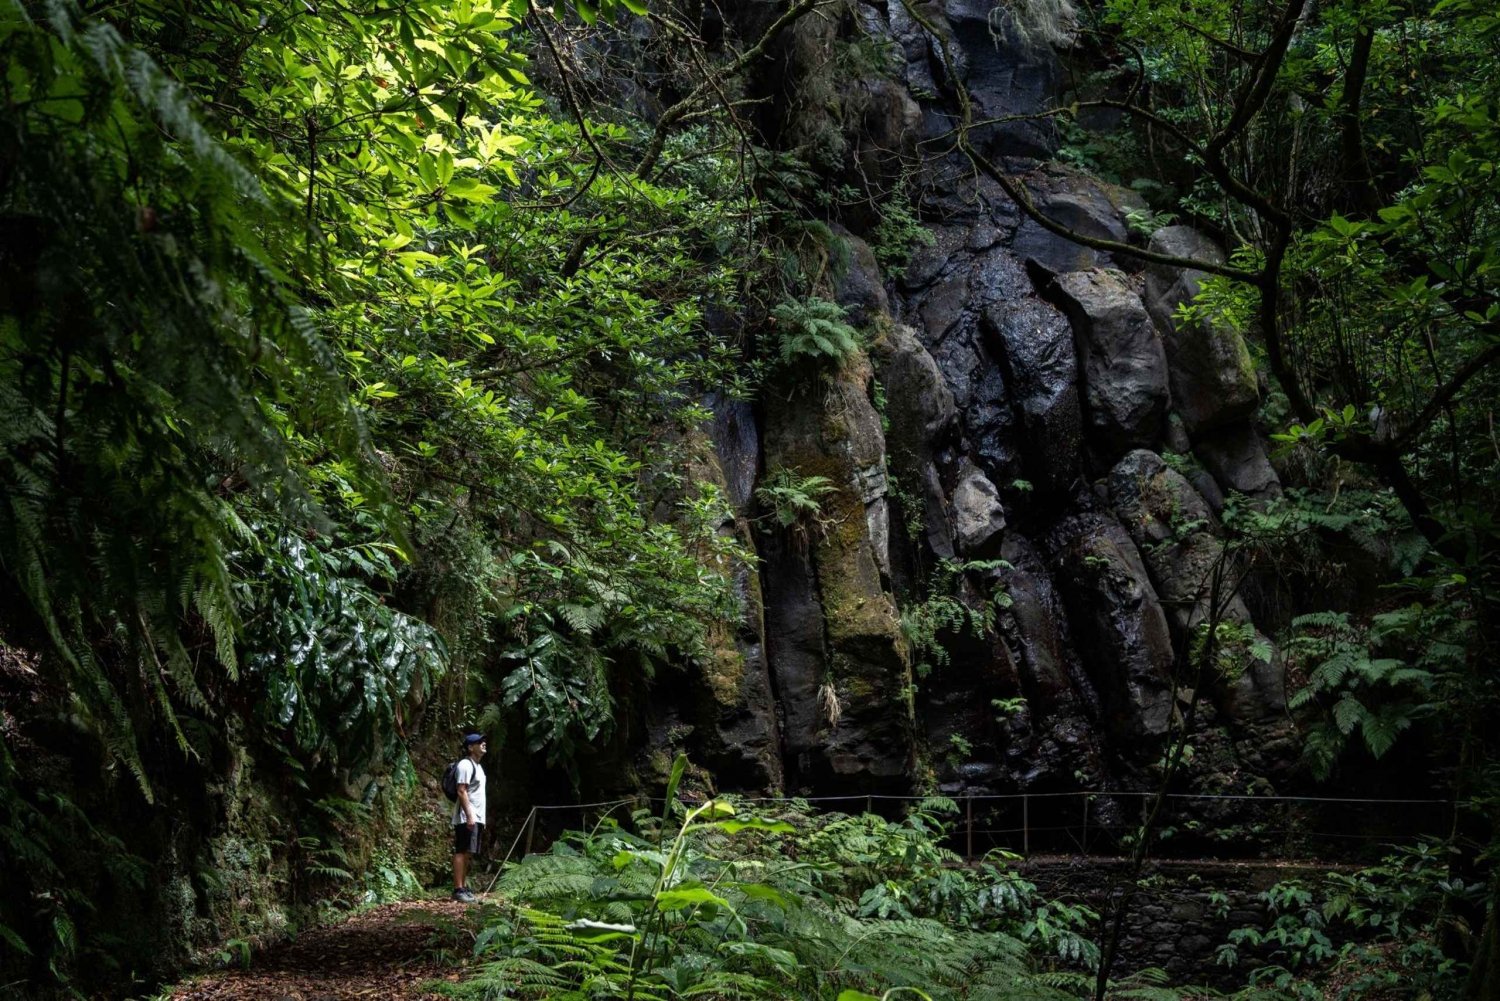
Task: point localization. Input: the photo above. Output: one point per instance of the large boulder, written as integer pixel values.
(1178, 533)
(1084, 205)
(1172, 524)
(978, 515)
(859, 288)
(1118, 626)
(922, 419)
(1034, 344)
(1032, 623)
(1124, 366)
(1236, 457)
(1213, 377)
(947, 312)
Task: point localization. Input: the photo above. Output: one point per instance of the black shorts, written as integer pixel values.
(466, 839)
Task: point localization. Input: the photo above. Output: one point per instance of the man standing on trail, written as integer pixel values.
(468, 815)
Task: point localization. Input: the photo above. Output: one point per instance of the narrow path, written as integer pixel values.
(388, 952)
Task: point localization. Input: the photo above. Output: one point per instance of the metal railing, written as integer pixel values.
(1097, 822)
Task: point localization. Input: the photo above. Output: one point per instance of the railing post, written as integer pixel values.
(870, 804)
(1025, 824)
(969, 837)
(530, 830)
(1084, 844)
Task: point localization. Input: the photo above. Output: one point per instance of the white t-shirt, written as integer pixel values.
(470, 773)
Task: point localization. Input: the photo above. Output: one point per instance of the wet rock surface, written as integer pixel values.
(1213, 378)
(978, 515)
(1012, 416)
(847, 670)
(1123, 366)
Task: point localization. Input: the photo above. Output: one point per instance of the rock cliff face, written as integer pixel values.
(1050, 421)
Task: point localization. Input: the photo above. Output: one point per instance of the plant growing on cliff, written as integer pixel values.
(928, 625)
(814, 330)
(899, 234)
(795, 502)
(1376, 678)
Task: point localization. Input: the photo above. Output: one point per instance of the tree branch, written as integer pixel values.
(1444, 395)
(676, 112)
(1018, 193)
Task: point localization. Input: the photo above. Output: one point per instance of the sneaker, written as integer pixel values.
(464, 896)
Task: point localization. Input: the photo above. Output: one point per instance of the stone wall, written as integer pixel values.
(1182, 911)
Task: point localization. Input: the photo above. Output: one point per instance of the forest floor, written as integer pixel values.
(392, 951)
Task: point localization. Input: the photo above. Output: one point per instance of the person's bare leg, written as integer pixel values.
(460, 869)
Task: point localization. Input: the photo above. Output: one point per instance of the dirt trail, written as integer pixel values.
(388, 952)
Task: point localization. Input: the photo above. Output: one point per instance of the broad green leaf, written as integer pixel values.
(676, 900)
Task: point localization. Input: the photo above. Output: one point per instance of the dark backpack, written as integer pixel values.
(450, 781)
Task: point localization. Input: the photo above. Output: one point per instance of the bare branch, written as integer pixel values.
(1407, 440)
(675, 113)
(1022, 197)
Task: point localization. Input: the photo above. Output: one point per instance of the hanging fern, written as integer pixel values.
(814, 330)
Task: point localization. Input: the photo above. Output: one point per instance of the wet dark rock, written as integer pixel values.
(1178, 534)
(945, 306)
(1082, 204)
(916, 50)
(994, 432)
(1006, 76)
(860, 289)
(1124, 367)
(1172, 525)
(1034, 344)
(929, 261)
(922, 417)
(1118, 626)
(1213, 377)
(1237, 459)
(978, 515)
(736, 441)
(797, 650)
(1033, 625)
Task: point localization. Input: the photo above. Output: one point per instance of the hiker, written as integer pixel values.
(468, 815)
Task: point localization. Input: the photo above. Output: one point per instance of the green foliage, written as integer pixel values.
(795, 502)
(1390, 916)
(724, 902)
(334, 369)
(813, 330)
(1376, 677)
(930, 624)
(898, 234)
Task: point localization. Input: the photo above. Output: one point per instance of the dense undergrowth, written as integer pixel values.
(716, 899)
(330, 391)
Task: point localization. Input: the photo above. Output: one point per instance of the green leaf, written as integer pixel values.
(676, 900)
(1348, 713)
(770, 826)
(679, 768)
